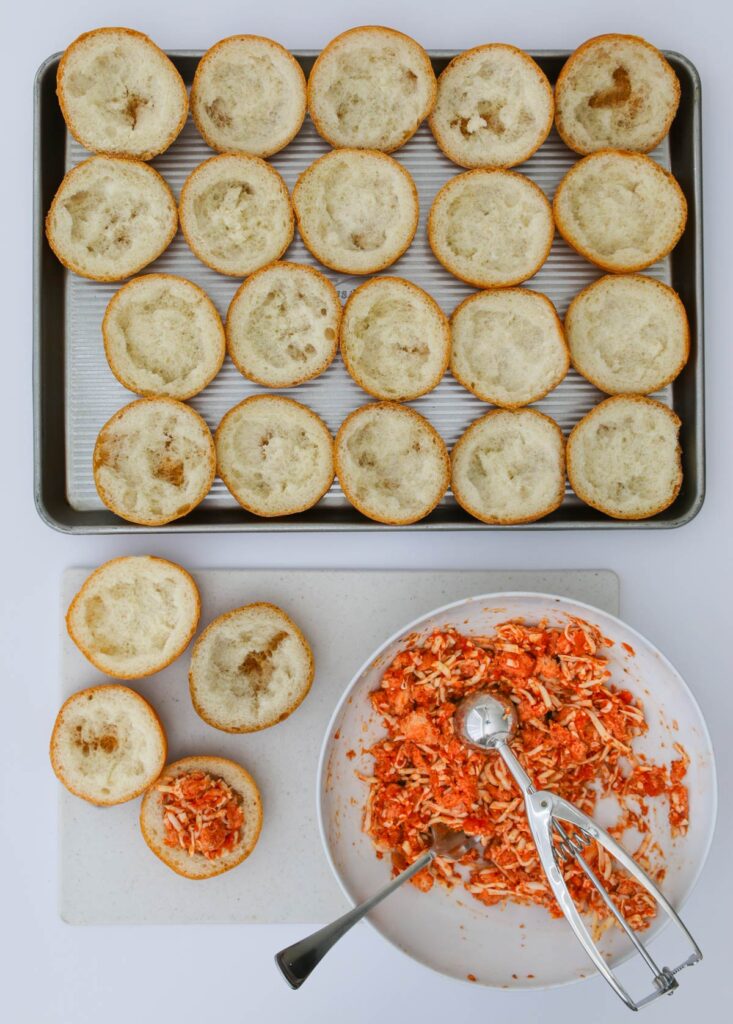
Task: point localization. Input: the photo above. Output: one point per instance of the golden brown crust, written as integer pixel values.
(485, 397)
(89, 655)
(532, 65)
(575, 244)
(507, 520)
(484, 282)
(248, 507)
(214, 766)
(567, 67)
(185, 228)
(291, 707)
(54, 753)
(96, 462)
(659, 284)
(578, 487)
(349, 495)
(242, 290)
(52, 209)
(308, 242)
(211, 52)
(424, 297)
(318, 124)
(105, 335)
(148, 155)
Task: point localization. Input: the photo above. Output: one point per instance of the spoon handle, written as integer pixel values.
(297, 961)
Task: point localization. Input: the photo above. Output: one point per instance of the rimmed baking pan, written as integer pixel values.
(75, 392)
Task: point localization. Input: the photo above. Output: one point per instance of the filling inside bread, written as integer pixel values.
(201, 814)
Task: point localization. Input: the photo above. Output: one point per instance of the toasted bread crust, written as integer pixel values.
(445, 260)
(89, 654)
(327, 51)
(158, 521)
(563, 130)
(572, 239)
(214, 52)
(114, 367)
(226, 477)
(69, 263)
(484, 396)
(424, 297)
(244, 286)
(290, 708)
(577, 486)
(54, 752)
(313, 246)
(456, 64)
(214, 766)
(667, 379)
(506, 520)
(342, 475)
(186, 227)
(60, 92)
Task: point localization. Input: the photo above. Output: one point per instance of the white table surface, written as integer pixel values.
(674, 585)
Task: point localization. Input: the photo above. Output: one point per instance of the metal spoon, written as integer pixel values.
(297, 961)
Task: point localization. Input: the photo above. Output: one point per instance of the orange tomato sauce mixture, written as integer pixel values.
(201, 814)
(574, 736)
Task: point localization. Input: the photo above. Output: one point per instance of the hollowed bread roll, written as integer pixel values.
(494, 107)
(245, 795)
(391, 463)
(508, 346)
(163, 336)
(371, 88)
(491, 228)
(395, 339)
(120, 94)
(134, 615)
(282, 325)
(624, 457)
(628, 334)
(248, 96)
(357, 210)
(250, 669)
(110, 217)
(615, 92)
(107, 745)
(236, 214)
(154, 461)
(622, 211)
(509, 467)
(274, 455)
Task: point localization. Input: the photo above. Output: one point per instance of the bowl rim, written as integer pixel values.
(405, 631)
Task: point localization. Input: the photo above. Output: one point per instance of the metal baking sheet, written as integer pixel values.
(75, 391)
(107, 875)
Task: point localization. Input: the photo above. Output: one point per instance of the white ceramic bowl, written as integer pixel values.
(450, 931)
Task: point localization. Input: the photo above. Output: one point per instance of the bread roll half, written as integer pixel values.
(250, 669)
(134, 615)
(509, 467)
(391, 463)
(624, 457)
(110, 217)
(107, 745)
(120, 94)
(159, 804)
(491, 228)
(357, 210)
(154, 461)
(371, 88)
(620, 210)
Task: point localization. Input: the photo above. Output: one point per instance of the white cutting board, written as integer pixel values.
(107, 874)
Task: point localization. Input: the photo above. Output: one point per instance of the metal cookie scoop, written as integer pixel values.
(297, 961)
(488, 723)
